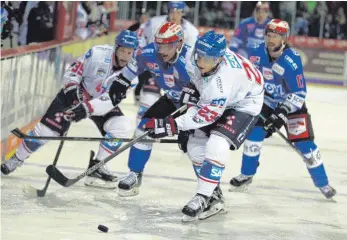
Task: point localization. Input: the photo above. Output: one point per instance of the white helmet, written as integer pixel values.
(278, 26)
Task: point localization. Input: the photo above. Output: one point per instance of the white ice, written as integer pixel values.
(282, 202)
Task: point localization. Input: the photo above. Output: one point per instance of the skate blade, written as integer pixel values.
(98, 183)
(186, 218)
(218, 208)
(243, 188)
(128, 193)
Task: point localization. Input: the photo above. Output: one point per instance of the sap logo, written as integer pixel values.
(216, 172)
(276, 90)
(218, 102)
(107, 60)
(292, 63)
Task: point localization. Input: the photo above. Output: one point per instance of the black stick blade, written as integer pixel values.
(54, 173)
(17, 132)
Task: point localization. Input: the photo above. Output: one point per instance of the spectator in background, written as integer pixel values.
(341, 24)
(10, 29)
(25, 8)
(81, 23)
(250, 32)
(40, 23)
(143, 18)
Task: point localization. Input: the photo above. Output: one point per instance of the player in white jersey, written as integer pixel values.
(146, 34)
(84, 94)
(226, 95)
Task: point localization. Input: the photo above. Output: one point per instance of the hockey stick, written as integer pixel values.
(18, 133)
(67, 182)
(285, 139)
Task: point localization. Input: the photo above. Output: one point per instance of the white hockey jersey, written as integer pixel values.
(237, 84)
(92, 71)
(148, 29)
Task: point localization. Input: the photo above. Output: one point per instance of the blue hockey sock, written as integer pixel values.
(138, 159)
(251, 151)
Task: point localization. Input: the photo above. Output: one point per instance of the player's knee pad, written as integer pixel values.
(217, 149)
(311, 152)
(118, 127)
(252, 148)
(109, 146)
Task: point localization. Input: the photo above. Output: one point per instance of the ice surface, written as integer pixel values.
(282, 202)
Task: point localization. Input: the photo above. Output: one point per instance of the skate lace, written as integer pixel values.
(198, 201)
(130, 178)
(105, 170)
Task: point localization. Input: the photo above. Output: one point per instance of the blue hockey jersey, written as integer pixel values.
(248, 35)
(284, 79)
(169, 77)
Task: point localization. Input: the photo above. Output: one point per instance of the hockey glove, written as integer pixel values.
(159, 128)
(118, 89)
(189, 95)
(183, 137)
(79, 112)
(73, 94)
(277, 119)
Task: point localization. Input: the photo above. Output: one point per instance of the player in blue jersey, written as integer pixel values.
(284, 105)
(166, 59)
(250, 32)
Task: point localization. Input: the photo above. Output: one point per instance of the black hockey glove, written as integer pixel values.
(119, 89)
(79, 112)
(159, 128)
(277, 119)
(189, 95)
(73, 94)
(183, 137)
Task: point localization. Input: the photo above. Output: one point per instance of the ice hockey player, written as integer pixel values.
(82, 96)
(146, 35)
(250, 32)
(166, 59)
(284, 105)
(230, 95)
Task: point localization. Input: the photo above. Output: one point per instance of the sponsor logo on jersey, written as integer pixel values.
(278, 69)
(147, 50)
(152, 65)
(292, 63)
(219, 84)
(218, 102)
(169, 80)
(259, 33)
(250, 26)
(254, 59)
(132, 65)
(300, 80)
(267, 73)
(107, 60)
(88, 54)
(175, 73)
(101, 72)
(296, 100)
(273, 89)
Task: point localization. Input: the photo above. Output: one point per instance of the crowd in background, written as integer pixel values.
(29, 22)
(34, 21)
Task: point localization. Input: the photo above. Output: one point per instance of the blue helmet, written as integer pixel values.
(179, 5)
(211, 44)
(127, 39)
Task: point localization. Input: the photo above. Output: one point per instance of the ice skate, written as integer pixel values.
(328, 191)
(102, 177)
(215, 205)
(129, 186)
(194, 207)
(11, 165)
(240, 183)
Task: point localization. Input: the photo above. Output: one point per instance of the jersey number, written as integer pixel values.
(252, 73)
(208, 114)
(78, 68)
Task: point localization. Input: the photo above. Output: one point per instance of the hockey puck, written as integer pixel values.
(103, 228)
